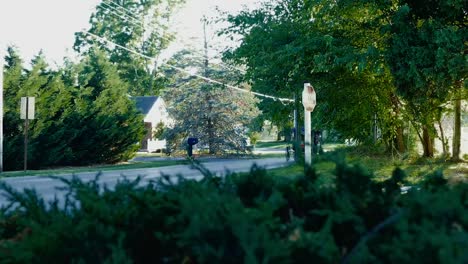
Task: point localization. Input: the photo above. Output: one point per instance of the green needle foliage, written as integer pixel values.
(83, 114)
(241, 218)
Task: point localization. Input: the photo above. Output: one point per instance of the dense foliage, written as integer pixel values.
(83, 115)
(427, 54)
(372, 63)
(83, 111)
(139, 25)
(247, 218)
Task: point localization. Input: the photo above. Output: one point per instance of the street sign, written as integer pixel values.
(27, 107)
(308, 97)
(26, 113)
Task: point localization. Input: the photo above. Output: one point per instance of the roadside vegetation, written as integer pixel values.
(382, 167)
(255, 217)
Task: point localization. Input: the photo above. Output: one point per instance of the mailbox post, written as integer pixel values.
(191, 142)
(309, 102)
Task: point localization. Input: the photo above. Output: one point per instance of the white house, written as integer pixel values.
(154, 110)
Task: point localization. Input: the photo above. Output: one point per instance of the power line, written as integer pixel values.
(129, 19)
(191, 74)
(141, 25)
(1, 107)
(130, 14)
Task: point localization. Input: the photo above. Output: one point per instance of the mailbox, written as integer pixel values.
(192, 141)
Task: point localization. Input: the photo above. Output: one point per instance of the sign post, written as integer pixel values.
(27, 112)
(1, 110)
(309, 102)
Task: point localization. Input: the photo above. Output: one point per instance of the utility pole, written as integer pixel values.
(26, 128)
(1, 109)
(205, 46)
(297, 140)
(209, 121)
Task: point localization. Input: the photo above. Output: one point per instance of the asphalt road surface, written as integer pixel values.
(46, 187)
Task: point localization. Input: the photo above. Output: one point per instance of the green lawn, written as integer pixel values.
(383, 166)
(70, 170)
(271, 144)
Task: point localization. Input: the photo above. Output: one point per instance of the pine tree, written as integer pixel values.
(13, 80)
(216, 114)
(106, 125)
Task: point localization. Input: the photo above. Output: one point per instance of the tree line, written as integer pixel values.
(83, 114)
(84, 111)
(385, 62)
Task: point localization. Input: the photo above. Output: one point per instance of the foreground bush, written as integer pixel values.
(248, 218)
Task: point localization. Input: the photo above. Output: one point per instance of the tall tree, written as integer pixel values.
(83, 113)
(428, 59)
(139, 25)
(13, 79)
(272, 53)
(105, 123)
(335, 45)
(216, 114)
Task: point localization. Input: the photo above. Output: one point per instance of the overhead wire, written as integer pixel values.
(130, 14)
(141, 25)
(282, 100)
(116, 13)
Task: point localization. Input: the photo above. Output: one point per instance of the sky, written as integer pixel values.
(49, 25)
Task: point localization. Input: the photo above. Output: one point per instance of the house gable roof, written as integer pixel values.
(145, 103)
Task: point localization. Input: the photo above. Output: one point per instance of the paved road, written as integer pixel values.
(47, 187)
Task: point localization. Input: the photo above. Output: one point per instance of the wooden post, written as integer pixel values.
(307, 137)
(309, 102)
(26, 128)
(1, 110)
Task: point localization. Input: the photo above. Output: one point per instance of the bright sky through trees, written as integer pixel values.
(50, 25)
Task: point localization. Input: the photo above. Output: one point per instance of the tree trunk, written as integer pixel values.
(211, 145)
(457, 131)
(399, 137)
(443, 139)
(428, 143)
(400, 140)
(210, 126)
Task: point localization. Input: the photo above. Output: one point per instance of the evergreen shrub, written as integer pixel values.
(241, 218)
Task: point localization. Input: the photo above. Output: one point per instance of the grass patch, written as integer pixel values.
(272, 144)
(290, 171)
(295, 170)
(382, 166)
(71, 170)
